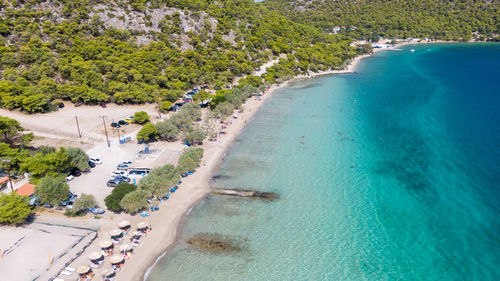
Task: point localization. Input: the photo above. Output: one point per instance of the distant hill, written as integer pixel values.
(370, 19)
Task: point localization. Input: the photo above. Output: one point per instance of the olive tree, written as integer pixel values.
(135, 201)
(78, 158)
(84, 202)
(52, 190)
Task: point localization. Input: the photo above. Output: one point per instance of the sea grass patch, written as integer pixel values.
(216, 243)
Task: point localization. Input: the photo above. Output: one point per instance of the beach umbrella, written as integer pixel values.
(116, 259)
(108, 272)
(123, 224)
(95, 256)
(82, 269)
(125, 247)
(142, 225)
(115, 232)
(105, 244)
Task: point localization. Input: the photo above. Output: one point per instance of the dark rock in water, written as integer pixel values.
(268, 196)
(218, 177)
(215, 243)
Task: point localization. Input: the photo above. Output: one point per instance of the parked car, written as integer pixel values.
(129, 120)
(96, 160)
(128, 163)
(97, 211)
(123, 122)
(69, 205)
(119, 173)
(75, 172)
(69, 177)
(113, 182)
(122, 178)
(103, 104)
(60, 105)
(122, 167)
(91, 164)
(115, 125)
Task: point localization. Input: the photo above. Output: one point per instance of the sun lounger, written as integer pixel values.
(70, 269)
(58, 279)
(66, 273)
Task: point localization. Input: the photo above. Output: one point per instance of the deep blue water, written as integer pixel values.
(389, 174)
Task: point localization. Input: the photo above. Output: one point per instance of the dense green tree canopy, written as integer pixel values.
(73, 52)
(14, 209)
(364, 19)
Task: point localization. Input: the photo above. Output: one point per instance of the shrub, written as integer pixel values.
(147, 132)
(141, 117)
(113, 200)
(14, 209)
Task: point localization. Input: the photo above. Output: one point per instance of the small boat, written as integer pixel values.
(412, 50)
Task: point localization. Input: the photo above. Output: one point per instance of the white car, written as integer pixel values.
(69, 177)
(119, 173)
(96, 160)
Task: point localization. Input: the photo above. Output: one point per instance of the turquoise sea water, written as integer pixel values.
(392, 173)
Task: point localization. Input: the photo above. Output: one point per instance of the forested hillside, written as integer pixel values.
(367, 19)
(93, 51)
(140, 51)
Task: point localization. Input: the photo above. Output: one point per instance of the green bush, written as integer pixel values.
(112, 201)
(147, 132)
(141, 117)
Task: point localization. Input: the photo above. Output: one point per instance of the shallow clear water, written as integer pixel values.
(389, 174)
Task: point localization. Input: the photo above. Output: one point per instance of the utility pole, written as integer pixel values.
(158, 104)
(78, 127)
(105, 130)
(8, 173)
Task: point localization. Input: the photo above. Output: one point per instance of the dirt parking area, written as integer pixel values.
(62, 124)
